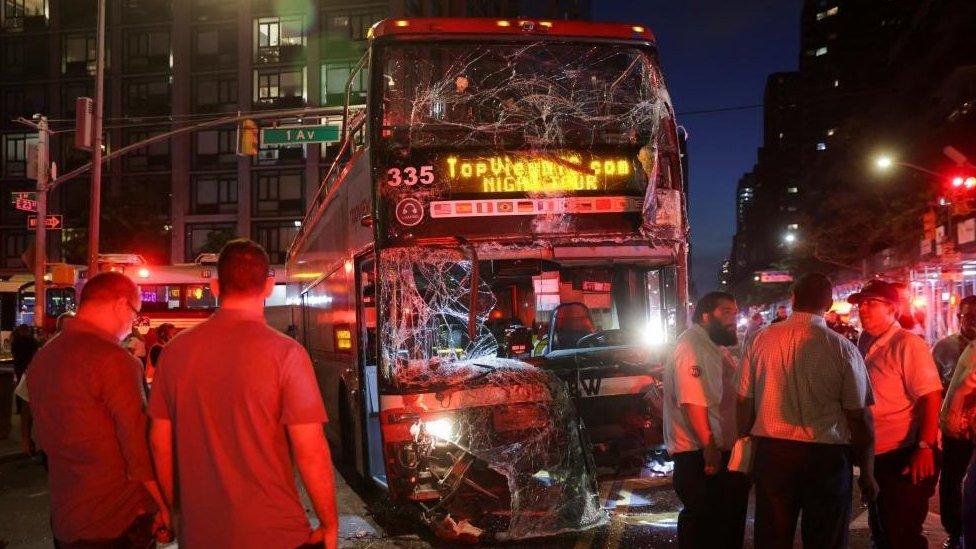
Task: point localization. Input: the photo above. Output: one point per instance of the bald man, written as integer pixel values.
(89, 416)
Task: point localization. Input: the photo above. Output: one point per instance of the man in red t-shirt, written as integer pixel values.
(231, 398)
(89, 417)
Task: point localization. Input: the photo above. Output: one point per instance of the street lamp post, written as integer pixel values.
(885, 163)
(96, 182)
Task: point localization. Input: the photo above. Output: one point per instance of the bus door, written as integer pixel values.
(366, 299)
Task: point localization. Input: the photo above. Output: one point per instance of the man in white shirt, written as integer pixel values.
(956, 451)
(803, 396)
(958, 421)
(699, 427)
(908, 393)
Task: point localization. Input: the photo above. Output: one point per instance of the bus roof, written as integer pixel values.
(514, 26)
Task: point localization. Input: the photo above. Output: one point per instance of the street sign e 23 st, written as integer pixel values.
(297, 135)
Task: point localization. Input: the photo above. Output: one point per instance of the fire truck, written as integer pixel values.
(177, 294)
(493, 266)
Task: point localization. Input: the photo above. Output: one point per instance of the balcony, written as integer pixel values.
(290, 102)
(151, 105)
(280, 54)
(145, 11)
(155, 63)
(280, 156)
(219, 60)
(25, 22)
(213, 10)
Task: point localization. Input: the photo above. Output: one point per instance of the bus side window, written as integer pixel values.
(367, 303)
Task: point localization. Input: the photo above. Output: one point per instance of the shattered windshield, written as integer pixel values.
(523, 309)
(540, 94)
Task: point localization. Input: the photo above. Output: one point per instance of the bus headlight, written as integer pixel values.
(653, 334)
(441, 428)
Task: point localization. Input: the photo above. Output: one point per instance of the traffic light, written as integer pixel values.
(84, 119)
(247, 138)
(967, 182)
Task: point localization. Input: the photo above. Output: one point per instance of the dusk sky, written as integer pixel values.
(716, 54)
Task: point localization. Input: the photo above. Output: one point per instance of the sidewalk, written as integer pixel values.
(24, 500)
(25, 506)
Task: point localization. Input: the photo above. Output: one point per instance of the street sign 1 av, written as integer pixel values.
(51, 222)
(297, 135)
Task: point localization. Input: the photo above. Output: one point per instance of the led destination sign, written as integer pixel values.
(549, 174)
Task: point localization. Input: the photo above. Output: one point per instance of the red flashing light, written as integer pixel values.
(957, 181)
(970, 182)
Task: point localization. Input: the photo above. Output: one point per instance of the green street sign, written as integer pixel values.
(297, 135)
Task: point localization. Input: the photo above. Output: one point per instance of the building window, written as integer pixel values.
(277, 194)
(144, 98)
(792, 190)
(216, 146)
(204, 238)
(821, 146)
(78, 57)
(215, 47)
(15, 11)
(15, 153)
(836, 83)
(207, 42)
(213, 194)
(831, 132)
(215, 94)
(71, 92)
(793, 226)
(334, 78)
(147, 50)
(275, 237)
(154, 156)
(280, 31)
(13, 101)
(14, 245)
(822, 50)
(354, 26)
(827, 13)
(13, 55)
(279, 87)
(278, 39)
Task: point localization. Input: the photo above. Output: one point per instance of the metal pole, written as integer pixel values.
(40, 238)
(264, 115)
(96, 182)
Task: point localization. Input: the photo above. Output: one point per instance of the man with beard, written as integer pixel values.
(956, 451)
(803, 397)
(699, 427)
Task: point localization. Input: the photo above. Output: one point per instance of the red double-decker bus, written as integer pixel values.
(493, 265)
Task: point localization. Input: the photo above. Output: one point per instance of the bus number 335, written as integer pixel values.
(410, 176)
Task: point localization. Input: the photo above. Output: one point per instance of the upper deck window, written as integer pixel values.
(537, 94)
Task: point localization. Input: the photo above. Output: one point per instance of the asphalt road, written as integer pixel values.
(643, 514)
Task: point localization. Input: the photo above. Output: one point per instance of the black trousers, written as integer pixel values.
(139, 535)
(901, 506)
(956, 454)
(795, 479)
(714, 506)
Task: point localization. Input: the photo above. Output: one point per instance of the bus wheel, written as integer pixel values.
(347, 436)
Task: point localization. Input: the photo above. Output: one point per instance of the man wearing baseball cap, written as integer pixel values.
(907, 394)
